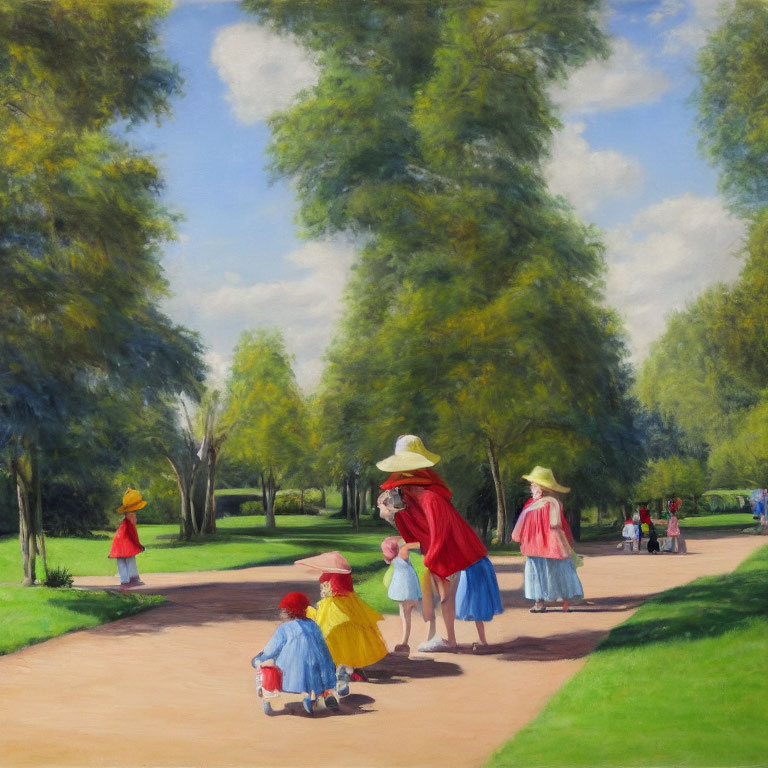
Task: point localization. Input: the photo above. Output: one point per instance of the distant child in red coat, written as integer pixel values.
(126, 544)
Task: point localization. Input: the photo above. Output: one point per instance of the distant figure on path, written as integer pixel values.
(126, 544)
(423, 513)
(673, 526)
(547, 543)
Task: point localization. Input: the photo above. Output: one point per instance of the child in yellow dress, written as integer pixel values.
(348, 624)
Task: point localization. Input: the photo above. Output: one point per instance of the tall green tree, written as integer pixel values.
(267, 411)
(733, 106)
(80, 217)
(475, 297)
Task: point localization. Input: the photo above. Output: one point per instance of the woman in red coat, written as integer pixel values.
(418, 503)
(126, 544)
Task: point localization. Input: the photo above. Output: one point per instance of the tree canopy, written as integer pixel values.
(474, 315)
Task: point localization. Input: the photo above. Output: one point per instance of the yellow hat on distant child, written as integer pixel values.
(131, 502)
(543, 476)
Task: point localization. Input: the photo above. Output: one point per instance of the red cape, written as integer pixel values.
(126, 542)
(447, 541)
(533, 531)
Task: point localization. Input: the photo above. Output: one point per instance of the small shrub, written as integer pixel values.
(59, 577)
(251, 508)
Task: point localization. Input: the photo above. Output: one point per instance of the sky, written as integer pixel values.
(626, 159)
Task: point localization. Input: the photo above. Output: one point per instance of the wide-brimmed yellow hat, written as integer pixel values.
(410, 453)
(131, 502)
(543, 476)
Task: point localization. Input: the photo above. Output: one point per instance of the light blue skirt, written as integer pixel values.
(547, 578)
(478, 597)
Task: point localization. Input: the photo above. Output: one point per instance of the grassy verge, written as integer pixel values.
(33, 615)
(681, 683)
(736, 520)
(240, 542)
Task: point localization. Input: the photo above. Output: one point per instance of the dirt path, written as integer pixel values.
(173, 687)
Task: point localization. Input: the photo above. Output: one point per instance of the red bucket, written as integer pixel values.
(272, 678)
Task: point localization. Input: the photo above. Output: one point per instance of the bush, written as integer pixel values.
(70, 511)
(286, 503)
(59, 577)
(289, 503)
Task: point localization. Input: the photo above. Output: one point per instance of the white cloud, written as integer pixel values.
(586, 177)
(669, 254)
(304, 308)
(665, 10)
(692, 33)
(623, 80)
(263, 71)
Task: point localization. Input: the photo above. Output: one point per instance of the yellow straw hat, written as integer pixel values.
(131, 502)
(543, 476)
(410, 453)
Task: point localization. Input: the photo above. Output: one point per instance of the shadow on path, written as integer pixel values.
(570, 645)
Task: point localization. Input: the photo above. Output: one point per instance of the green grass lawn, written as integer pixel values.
(681, 683)
(240, 542)
(33, 615)
(36, 614)
(725, 520)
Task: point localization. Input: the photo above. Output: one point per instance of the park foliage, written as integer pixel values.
(474, 314)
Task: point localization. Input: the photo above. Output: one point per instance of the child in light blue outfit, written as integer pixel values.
(404, 585)
(296, 659)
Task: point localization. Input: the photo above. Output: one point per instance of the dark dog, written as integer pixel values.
(653, 541)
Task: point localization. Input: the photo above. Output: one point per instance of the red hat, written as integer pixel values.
(295, 604)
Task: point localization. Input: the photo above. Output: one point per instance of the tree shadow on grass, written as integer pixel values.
(707, 607)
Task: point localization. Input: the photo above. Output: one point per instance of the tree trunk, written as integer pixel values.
(501, 502)
(323, 500)
(38, 512)
(271, 489)
(264, 494)
(574, 520)
(359, 494)
(209, 515)
(349, 490)
(185, 522)
(26, 532)
(344, 499)
(301, 501)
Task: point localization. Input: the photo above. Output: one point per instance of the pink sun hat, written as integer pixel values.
(328, 562)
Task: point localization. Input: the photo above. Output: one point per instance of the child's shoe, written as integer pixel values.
(331, 703)
(307, 704)
(136, 582)
(342, 681)
(267, 707)
(402, 649)
(358, 676)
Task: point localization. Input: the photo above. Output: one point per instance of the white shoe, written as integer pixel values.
(437, 643)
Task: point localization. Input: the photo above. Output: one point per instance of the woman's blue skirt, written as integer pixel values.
(547, 578)
(478, 597)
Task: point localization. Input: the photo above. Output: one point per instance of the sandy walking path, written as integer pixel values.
(173, 686)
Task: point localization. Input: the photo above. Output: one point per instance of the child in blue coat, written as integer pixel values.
(296, 659)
